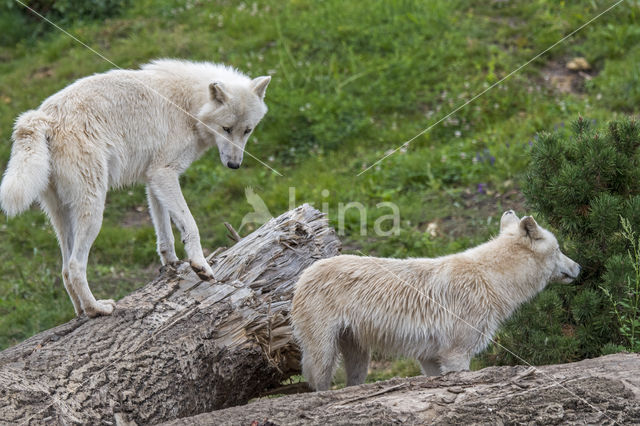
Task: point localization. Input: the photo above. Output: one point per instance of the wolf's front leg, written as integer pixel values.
(165, 188)
(164, 233)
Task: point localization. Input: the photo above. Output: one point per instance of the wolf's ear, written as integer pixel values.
(530, 228)
(259, 85)
(217, 93)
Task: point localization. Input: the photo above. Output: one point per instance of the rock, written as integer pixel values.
(578, 64)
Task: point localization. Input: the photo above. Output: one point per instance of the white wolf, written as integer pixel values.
(119, 128)
(440, 311)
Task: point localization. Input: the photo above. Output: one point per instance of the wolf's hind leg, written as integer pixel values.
(60, 217)
(165, 186)
(324, 365)
(308, 368)
(319, 354)
(454, 362)
(430, 367)
(356, 358)
(88, 220)
(164, 233)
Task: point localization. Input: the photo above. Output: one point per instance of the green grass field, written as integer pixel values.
(351, 82)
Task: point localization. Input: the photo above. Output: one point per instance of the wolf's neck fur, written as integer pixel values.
(502, 274)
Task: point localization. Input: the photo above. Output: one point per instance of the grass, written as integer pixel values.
(351, 81)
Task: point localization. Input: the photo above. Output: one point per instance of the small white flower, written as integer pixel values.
(432, 229)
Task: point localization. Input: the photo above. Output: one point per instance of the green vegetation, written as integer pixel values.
(626, 307)
(351, 81)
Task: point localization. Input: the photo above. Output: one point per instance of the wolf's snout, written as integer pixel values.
(579, 270)
(571, 273)
(232, 165)
(576, 270)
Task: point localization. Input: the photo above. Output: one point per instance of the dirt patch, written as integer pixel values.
(139, 216)
(568, 75)
(42, 73)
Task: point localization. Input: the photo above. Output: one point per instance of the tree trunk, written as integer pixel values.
(178, 346)
(603, 390)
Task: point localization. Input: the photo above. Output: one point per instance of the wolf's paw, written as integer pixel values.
(102, 307)
(169, 258)
(203, 271)
(171, 266)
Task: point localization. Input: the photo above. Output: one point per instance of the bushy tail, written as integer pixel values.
(27, 173)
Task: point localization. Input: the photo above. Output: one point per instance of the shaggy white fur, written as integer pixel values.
(119, 128)
(440, 311)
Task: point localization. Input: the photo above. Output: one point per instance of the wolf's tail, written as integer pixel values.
(27, 173)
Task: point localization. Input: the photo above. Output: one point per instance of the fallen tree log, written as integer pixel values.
(603, 390)
(178, 346)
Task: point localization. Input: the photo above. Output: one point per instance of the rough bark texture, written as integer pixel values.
(178, 346)
(603, 390)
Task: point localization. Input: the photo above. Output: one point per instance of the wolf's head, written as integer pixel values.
(542, 244)
(231, 114)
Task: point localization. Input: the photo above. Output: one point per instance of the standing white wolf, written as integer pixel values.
(122, 127)
(440, 311)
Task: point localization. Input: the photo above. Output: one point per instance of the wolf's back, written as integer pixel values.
(27, 173)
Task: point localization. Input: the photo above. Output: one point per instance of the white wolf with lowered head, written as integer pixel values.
(440, 311)
(119, 128)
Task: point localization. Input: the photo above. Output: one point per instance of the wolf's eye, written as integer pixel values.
(227, 129)
(246, 132)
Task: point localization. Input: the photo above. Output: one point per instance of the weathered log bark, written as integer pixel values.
(178, 346)
(603, 390)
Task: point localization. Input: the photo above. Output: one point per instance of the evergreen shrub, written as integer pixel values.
(584, 183)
